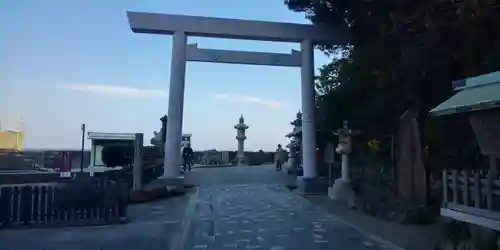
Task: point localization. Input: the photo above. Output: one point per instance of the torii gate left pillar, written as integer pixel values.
(180, 26)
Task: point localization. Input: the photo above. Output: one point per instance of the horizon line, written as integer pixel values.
(88, 149)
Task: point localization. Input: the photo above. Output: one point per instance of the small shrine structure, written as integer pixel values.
(98, 140)
(473, 195)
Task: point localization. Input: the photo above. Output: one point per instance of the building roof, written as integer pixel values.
(298, 132)
(110, 136)
(476, 93)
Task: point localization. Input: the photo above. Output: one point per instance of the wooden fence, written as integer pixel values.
(47, 205)
(472, 196)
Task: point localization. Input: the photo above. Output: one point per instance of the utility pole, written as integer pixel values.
(83, 148)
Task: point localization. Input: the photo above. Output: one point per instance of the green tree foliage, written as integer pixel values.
(401, 53)
(117, 155)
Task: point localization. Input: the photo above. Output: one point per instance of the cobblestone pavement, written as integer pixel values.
(262, 174)
(266, 216)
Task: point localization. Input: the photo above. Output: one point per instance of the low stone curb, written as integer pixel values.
(214, 166)
(179, 239)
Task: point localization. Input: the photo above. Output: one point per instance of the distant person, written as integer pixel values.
(187, 157)
(279, 157)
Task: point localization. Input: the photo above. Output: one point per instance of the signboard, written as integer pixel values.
(329, 156)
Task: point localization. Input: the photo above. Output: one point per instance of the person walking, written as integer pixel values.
(187, 157)
(278, 157)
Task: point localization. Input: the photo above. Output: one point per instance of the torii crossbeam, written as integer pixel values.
(196, 54)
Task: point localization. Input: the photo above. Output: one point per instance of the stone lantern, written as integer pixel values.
(341, 189)
(295, 143)
(241, 127)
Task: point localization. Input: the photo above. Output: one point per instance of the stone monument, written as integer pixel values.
(159, 138)
(329, 159)
(241, 127)
(164, 121)
(341, 189)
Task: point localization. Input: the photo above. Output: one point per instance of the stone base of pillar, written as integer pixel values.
(164, 181)
(290, 164)
(341, 191)
(312, 185)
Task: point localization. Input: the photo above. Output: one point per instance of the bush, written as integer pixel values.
(118, 155)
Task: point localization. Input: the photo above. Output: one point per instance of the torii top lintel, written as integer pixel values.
(166, 24)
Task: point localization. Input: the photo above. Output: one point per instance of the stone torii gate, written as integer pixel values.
(181, 26)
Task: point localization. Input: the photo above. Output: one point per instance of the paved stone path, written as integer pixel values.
(234, 208)
(266, 216)
(261, 174)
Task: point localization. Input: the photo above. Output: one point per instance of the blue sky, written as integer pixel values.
(64, 63)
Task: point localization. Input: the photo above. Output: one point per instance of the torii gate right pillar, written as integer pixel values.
(309, 182)
(307, 96)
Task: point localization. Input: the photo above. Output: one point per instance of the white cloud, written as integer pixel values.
(249, 100)
(115, 90)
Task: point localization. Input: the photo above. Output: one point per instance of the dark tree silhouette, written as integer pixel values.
(402, 53)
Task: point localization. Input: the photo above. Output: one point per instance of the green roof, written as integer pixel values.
(478, 93)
